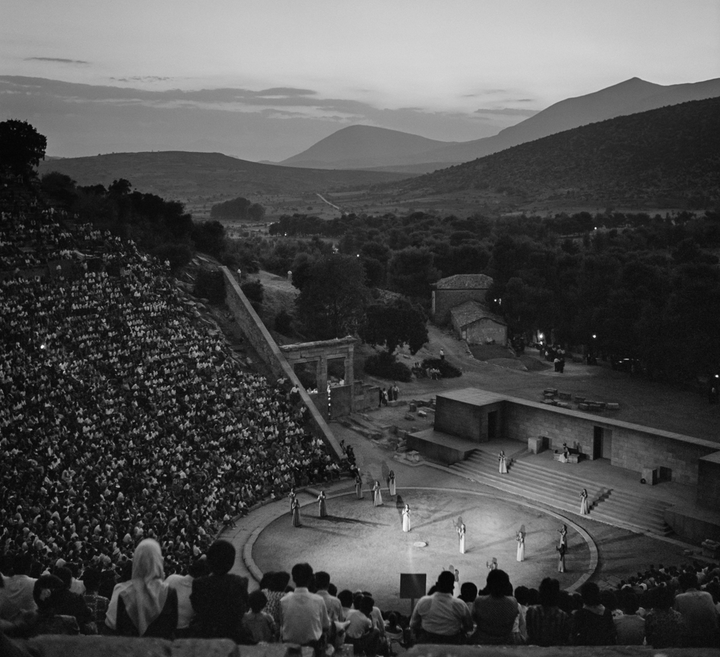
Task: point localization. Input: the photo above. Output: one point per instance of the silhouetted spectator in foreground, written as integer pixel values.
(592, 625)
(220, 600)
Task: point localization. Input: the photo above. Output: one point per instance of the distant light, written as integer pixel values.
(594, 335)
(43, 346)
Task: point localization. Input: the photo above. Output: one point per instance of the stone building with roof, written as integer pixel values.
(477, 325)
(453, 291)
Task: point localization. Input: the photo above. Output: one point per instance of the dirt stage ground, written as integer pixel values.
(365, 547)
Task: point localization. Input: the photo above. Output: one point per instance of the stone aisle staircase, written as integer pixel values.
(562, 491)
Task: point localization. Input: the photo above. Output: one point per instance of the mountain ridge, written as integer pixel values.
(670, 153)
(625, 98)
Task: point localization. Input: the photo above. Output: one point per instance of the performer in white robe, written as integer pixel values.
(377, 494)
(502, 463)
(391, 484)
(461, 530)
(322, 506)
(406, 518)
(584, 504)
(520, 538)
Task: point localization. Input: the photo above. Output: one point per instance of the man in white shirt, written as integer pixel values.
(441, 618)
(18, 589)
(304, 616)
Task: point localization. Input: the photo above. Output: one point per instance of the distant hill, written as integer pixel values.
(669, 156)
(369, 147)
(364, 147)
(199, 178)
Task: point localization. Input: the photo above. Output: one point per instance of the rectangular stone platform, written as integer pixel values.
(438, 446)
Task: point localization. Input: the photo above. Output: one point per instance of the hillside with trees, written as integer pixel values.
(668, 157)
(199, 179)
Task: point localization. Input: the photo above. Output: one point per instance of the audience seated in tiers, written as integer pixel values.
(123, 415)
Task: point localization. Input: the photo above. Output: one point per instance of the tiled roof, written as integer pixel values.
(471, 311)
(464, 282)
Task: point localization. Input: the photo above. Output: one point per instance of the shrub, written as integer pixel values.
(447, 371)
(385, 366)
(210, 285)
(254, 291)
(283, 322)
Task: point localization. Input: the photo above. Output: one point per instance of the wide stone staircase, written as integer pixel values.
(561, 491)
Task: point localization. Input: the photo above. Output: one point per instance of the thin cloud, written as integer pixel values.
(143, 78)
(506, 111)
(59, 60)
(285, 91)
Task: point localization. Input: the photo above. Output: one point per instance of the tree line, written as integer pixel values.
(623, 285)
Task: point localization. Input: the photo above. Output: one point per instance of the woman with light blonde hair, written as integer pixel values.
(145, 605)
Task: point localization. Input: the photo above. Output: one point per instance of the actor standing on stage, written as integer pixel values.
(461, 530)
(391, 484)
(322, 506)
(377, 494)
(584, 505)
(520, 538)
(358, 486)
(502, 462)
(561, 549)
(563, 536)
(406, 518)
(292, 497)
(296, 512)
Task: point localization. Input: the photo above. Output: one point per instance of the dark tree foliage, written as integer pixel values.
(21, 149)
(236, 208)
(412, 271)
(333, 299)
(210, 285)
(254, 291)
(385, 366)
(395, 324)
(209, 237)
(59, 190)
(283, 322)
(301, 268)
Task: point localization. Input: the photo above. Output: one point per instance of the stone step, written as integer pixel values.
(542, 484)
(626, 498)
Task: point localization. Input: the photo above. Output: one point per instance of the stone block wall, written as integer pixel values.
(366, 397)
(460, 419)
(633, 448)
(522, 422)
(340, 401)
(709, 481)
(62, 646)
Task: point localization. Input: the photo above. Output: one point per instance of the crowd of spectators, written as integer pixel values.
(679, 608)
(123, 415)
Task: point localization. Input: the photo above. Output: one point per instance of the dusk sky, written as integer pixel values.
(266, 79)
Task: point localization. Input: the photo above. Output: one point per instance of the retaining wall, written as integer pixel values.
(267, 349)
